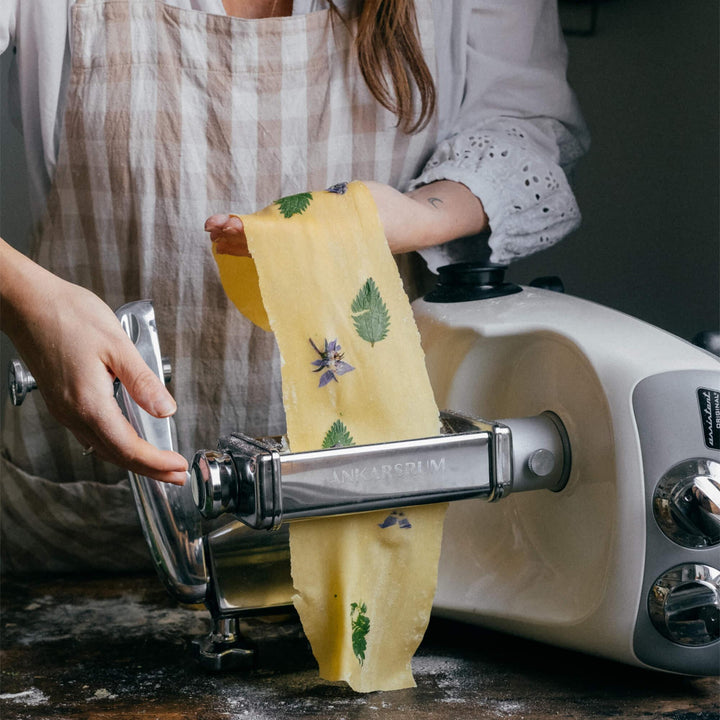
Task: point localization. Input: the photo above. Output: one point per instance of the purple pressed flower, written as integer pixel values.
(389, 521)
(338, 189)
(331, 360)
(395, 518)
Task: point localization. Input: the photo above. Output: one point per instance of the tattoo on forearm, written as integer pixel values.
(434, 201)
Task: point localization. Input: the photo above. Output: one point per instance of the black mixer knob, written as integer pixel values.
(684, 604)
(548, 282)
(464, 282)
(708, 340)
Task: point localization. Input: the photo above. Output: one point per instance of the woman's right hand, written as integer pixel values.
(74, 346)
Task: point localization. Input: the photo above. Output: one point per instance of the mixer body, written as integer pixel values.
(589, 567)
(581, 568)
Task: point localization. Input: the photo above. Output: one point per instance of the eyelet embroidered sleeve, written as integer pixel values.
(514, 131)
(8, 14)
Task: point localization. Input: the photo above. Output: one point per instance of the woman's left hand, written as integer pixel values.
(228, 234)
(431, 215)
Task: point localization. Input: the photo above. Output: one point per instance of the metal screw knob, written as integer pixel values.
(541, 462)
(684, 604)
(20, 382)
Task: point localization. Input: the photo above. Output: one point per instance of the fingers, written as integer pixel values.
(103, 427)
(97, 418)
(147, 465)
(228, 234)
(144, 386)
(116, 441)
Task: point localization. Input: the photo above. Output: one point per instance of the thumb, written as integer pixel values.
(143, 385)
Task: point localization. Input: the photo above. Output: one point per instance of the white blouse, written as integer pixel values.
(509, 125)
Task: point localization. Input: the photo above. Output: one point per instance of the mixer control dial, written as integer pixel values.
(686, 503)
(684, 604)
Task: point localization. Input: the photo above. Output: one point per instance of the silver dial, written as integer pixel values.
(684, 604)
(686, 503)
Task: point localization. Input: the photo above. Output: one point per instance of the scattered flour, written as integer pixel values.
(509, 708)
(123, 617)
(33, 696)
(102, 694)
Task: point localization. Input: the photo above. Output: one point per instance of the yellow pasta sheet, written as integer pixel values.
(322, 277)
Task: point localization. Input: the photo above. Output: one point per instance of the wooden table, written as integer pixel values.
(101, 649)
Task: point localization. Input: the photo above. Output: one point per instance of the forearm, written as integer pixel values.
(20, 282)
(429, 215)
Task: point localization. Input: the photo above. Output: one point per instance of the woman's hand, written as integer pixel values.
(74, 346)
(431, 215)
(228, 234)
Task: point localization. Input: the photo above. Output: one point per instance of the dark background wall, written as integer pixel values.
(649, 245)
(647, 80)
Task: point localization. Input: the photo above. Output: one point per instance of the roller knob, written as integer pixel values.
(686, 503)
(20, 382)
(214, 484)
(684, 604)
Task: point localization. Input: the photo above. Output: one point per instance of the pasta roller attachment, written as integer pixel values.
(264, 486)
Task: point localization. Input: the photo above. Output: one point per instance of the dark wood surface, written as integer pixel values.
(101, 649)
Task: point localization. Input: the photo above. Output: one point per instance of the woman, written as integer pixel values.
(143, 117)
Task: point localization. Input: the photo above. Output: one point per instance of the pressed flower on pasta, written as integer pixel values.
(331, 361)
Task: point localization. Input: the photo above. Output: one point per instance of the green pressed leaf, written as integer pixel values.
(294, 204)
(337, 436)
(360, 625)
(370, 313)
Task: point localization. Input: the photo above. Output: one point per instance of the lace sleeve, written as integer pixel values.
(510, 127)
(526, 195)
(8, 12)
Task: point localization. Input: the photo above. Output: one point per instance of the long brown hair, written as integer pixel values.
(388, 43)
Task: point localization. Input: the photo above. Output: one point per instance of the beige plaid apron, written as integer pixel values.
(173, 115)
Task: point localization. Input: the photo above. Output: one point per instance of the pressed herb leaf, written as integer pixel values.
(370, 314)
(360, 625)
(294, 204)
(337, 436)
